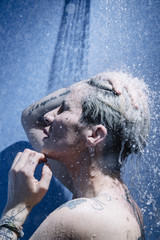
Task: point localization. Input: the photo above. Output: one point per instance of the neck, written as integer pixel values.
(90, 180)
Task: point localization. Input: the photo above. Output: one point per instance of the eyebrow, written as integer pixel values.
(65, 104)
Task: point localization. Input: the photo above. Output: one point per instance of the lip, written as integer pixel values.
(45, 132)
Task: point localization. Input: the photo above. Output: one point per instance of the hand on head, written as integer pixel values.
(118, 88)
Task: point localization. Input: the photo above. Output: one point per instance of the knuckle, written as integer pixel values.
(27, 150)
(18, 154)
(41, 154)
(32, 153)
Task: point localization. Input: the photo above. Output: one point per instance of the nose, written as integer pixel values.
(49, 117)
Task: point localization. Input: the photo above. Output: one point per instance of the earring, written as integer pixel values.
(92, 152)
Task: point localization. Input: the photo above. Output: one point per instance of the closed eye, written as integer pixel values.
(64, 107)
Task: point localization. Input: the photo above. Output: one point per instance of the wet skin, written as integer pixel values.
(64, 133)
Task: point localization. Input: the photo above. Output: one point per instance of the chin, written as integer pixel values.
(46, 152)
(51, 154)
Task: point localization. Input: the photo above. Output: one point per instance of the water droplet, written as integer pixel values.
(158, 224)
(93, 237)
(70, 8)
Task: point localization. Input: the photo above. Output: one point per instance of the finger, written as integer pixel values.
(45, 178)
(116, 86)
(23, 159)
(16, 159)
(134, 103)
(133, 95)
(33, 160)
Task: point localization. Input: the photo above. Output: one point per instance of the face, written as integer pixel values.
(64, 133)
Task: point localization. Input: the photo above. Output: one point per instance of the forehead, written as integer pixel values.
(77, 94)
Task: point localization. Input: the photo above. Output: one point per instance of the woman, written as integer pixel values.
(91, 128)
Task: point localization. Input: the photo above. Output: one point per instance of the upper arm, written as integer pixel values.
(67, 222)
(58, 225)
(32, 116)
(53, 227)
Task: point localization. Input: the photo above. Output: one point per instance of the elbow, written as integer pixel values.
(24, 118)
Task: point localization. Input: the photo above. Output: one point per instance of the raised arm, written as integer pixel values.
(33, 124)
(32, 117)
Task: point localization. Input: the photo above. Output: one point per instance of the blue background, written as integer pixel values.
(119, 35)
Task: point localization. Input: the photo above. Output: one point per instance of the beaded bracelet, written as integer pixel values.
(10, 225)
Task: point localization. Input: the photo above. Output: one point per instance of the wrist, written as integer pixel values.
(17, 214)
(10, 230)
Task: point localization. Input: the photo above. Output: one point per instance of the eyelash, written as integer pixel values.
(63, 108)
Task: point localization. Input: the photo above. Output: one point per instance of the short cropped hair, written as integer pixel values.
(128, 125)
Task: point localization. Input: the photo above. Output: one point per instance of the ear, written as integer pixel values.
(96, 135)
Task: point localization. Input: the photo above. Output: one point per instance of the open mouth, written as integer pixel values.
(45, 132)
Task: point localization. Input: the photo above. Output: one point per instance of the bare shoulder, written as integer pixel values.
(69, 221)
(83, 218)
(62, 222)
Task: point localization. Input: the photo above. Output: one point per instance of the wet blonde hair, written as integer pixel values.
(128, 125)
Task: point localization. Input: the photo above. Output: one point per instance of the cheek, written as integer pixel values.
(65, 126)
(59, 130)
